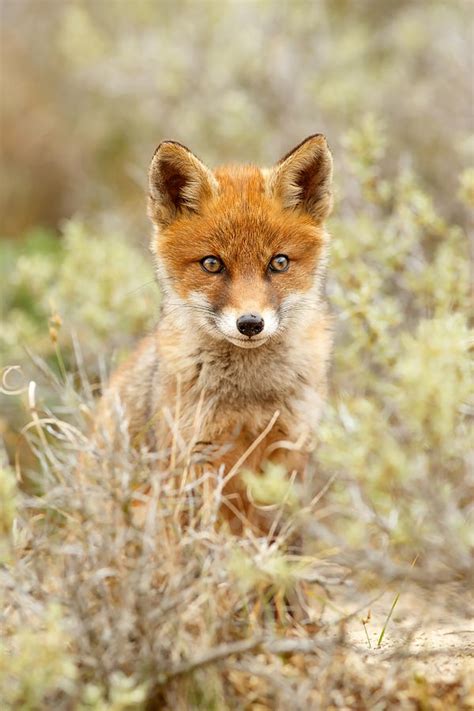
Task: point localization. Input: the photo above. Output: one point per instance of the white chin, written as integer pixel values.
(246, 342)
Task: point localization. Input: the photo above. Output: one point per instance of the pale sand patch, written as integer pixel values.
(438, 639)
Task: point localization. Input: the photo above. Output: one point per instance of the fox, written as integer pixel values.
(244, 333)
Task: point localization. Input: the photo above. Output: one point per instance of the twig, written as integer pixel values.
(221, 651)
(252, 447)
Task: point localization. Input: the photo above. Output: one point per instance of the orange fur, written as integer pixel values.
(220, 387)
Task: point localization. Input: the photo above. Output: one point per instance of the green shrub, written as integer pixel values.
(99, 286)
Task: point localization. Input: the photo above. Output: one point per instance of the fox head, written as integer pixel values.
(241, 250)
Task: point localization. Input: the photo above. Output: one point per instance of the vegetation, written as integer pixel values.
(101, 610)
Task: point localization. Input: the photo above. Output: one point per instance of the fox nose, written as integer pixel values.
(250, 324)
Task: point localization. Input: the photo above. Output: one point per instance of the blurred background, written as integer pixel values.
(90, 87)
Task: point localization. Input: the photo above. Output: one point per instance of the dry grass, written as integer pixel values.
(117, 595)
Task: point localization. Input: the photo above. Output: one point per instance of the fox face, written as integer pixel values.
(240, 251)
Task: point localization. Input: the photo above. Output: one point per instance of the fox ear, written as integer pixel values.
(178, 181)
(303, 178)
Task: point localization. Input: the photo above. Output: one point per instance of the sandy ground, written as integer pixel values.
(438, 637)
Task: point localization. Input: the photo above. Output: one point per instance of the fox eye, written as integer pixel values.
(279, 263)
(211, 264)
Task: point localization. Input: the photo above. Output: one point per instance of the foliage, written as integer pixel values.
(25, 682)
(94, 282)
(400, 282)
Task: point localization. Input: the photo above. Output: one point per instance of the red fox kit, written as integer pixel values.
(244, 337)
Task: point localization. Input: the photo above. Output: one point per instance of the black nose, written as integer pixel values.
(250, 324)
